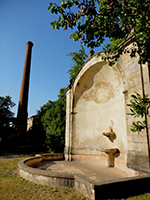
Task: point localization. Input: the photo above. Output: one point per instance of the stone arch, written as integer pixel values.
(98, 101)
(99, 97)
(87, 75)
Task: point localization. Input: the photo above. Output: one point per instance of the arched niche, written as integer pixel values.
(98, 104)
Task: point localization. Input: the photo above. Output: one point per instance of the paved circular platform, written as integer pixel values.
(92, 178)
(93, 171)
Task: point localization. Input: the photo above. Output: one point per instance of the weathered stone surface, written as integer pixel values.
(91, 189)
(96, 94)
(138, 161)
(85, 185)
(100, 94)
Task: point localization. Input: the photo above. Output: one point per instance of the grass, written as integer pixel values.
(12, 186)
(15, 187)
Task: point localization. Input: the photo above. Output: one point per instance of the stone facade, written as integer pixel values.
(97, 104)
(30, 123)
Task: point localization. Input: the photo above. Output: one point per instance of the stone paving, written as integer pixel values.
(94, 171)
(94, 179)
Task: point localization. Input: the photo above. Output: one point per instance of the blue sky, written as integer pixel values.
(28, 20)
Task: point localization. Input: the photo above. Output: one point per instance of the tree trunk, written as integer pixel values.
(147, 132)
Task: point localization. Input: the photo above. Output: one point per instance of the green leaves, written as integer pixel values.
(94, 20)
(5, 108)
(78, 59)
(138, 126)
(75, 36)
(53, 117)
(6, 114)
(50, 6)
(138, 107)
(112, 47)
(53, 24)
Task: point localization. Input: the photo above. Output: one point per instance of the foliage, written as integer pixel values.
(45, 116)
(6, 115)
(78, 58)
(112, 47)
(94, 20)
(54, 123)
(138, 107)
(5, 110)
(52, 117)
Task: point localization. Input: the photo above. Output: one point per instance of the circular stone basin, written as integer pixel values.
(91, 179)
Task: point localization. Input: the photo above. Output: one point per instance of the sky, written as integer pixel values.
(29, 20)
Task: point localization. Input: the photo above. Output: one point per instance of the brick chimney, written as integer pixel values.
(23, 100)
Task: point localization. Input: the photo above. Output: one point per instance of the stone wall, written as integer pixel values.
(111, 189)
(97, 103)
(137, 157)
(30, 122)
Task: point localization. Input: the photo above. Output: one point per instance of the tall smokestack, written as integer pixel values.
(23, 100)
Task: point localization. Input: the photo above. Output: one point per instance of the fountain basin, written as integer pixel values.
(94, 180)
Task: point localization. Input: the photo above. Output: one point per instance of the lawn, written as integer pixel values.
(12, 186)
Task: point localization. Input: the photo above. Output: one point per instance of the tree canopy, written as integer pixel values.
(6, 104)
(138, 107)
(50, 120)
(6, 116)
(94, 20)
(78, 59)
(52, 117)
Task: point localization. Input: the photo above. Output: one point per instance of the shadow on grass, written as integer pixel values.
(30, 150)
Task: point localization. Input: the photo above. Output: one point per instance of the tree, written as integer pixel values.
(51, 118)
(6, 114)
(54, 121)
(138, 107)
(78, 59)
(95, 20)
